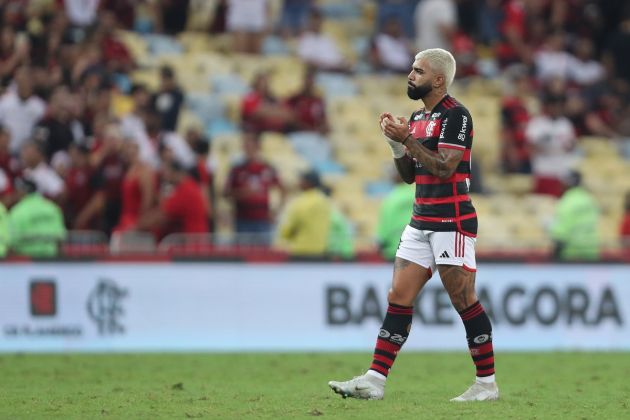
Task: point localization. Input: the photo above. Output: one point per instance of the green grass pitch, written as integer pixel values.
(149, 386)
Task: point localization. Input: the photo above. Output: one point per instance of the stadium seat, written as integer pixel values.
(220, 126)
(162, 44)
(205, 106)
(132, 242)
(274, 45)
(334, 85)
(228, 84)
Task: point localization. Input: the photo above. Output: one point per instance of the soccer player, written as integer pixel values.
(432, 149)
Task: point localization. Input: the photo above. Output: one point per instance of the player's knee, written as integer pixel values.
(398, 297)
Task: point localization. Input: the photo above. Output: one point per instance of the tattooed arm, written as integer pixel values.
(406, 168)
(442, 164)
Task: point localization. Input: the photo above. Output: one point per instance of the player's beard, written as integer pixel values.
(419, 92)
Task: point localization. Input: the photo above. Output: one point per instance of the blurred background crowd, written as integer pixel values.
(157, 125)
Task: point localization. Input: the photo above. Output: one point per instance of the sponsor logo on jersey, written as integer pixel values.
(443, 128)
(462, 133)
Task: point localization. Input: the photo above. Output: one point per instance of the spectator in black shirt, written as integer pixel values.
(58, 129)
(168, 100)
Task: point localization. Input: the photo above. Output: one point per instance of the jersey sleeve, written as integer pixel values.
(456, 131)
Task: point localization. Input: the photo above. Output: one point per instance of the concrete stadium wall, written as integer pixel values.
(52, 307)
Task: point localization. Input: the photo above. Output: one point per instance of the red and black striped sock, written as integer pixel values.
(479, 336)
(391, 337)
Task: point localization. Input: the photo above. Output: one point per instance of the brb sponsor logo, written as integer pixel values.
(42, 307)
(43, 298)
(104, 306)
(516, 305)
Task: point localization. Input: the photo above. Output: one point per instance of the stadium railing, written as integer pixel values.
(82, 244)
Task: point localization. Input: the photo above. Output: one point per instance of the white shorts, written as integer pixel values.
(429, 249)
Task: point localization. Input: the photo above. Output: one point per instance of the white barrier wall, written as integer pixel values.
(231, 306)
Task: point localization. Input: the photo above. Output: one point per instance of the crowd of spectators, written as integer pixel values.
(569, 52)
(107, 152)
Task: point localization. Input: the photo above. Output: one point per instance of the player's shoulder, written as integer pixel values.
(453, 105)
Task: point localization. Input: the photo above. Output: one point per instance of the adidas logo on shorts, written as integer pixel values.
(445, 255)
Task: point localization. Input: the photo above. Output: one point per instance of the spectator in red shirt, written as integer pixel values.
(262, 111)
(123, 10)
(83, 183)
(8, 168)
(204, 175)
(106, 159)
(249, 185)
(138, 188)
(309, 107)
(512, 48)
(514, 117)
(115, 54)
(183, 210)
(624, 229)
(12, 53)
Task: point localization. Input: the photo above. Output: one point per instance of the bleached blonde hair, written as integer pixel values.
(441, 61)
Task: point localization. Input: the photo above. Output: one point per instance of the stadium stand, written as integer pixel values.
(351, 157)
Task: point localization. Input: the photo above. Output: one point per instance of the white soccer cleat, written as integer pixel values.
(479, 392)
(364, 387)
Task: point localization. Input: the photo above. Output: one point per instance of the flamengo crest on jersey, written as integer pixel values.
(444, 205)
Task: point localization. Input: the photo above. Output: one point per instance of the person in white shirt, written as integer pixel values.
(583, 68)
(171, 140)
(81, 12)
(552, 138)
(133, 126)
(391, 50)
(552, 61)
(318, 49)
(435, 22)
(20, 109)
(35, 167)
(247, 20)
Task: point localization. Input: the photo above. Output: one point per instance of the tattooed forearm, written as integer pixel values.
(441, 164)
(406, 168)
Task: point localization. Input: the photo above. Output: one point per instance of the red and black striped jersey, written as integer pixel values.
(443, 204)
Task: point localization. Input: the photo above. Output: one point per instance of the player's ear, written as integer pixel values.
(438, 81)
